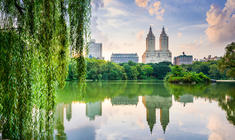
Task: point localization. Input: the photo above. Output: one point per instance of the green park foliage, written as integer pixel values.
(227, 63)
(105, 70)
(180, 75)
(34, 43)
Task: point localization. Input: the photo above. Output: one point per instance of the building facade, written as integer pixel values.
(95, 50)
(155, 56)
(124, 58)
(183, 59)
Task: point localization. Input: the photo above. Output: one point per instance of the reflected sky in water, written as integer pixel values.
(150, 110)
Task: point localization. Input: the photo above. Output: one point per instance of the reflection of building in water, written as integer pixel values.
(162, 103)
(68, 111)
(123, 100)
(186, 98)
(59, 117)
(93, 109)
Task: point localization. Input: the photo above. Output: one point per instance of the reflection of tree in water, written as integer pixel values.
(59, 119)
(98, 91)
(223, 93)
(228, 104)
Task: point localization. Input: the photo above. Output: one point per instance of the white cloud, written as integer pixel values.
(142, 3)
(221, 23)
(153, 8)
(179, 34)
(219, 128)
(96, 4)
(112, 12)
(106, 2)
(140, 35)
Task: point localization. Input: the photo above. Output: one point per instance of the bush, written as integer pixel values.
(180, 75)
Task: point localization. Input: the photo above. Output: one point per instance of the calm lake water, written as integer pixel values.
(145, 110)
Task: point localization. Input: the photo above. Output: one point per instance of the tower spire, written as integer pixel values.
(163, 30)
(150, 29)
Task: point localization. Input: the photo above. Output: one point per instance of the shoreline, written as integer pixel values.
(222, 81)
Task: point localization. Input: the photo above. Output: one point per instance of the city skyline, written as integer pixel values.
(205, 29)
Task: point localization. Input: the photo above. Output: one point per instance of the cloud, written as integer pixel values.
(106, 2)
(140, 35)
(112, 12)
(179, 34)
(157, 10)
(221, 23)
(219, 128)
(142, 3)
(153, 8)
(96, 4)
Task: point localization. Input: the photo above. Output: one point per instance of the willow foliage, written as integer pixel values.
(35, 36)
(79, 13)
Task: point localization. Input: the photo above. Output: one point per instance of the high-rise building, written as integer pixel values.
(124, 57)
(95, 50)
(155, 56)
(183, 59)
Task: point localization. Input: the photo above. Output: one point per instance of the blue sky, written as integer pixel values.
(197, 27)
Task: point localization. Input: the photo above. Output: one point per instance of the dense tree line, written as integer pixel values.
(105, 70)
(209, 68)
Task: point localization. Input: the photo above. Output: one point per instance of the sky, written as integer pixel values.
(196, 27)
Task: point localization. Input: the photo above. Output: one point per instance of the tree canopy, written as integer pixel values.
(35, 36)
(227, 63)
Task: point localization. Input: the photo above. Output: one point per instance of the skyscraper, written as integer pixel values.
(95, 50)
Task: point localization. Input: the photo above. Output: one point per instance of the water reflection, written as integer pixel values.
(157, 102)
(122, 96)
(93, 109)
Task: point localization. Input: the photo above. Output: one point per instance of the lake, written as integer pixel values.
(145, 110)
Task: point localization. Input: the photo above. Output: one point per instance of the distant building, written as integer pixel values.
(155, 56)
(124, 57)
(183, 59)
(210, 58)
(95, 50)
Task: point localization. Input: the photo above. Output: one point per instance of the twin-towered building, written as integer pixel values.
(155, 56)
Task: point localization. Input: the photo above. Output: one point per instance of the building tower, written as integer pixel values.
(163, 40)
(164, 118)
(150, 41)
(156, 56)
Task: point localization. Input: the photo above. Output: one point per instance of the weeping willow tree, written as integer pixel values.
(35, 36)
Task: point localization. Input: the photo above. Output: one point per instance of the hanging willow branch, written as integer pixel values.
(79, 17)
(33, 60)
